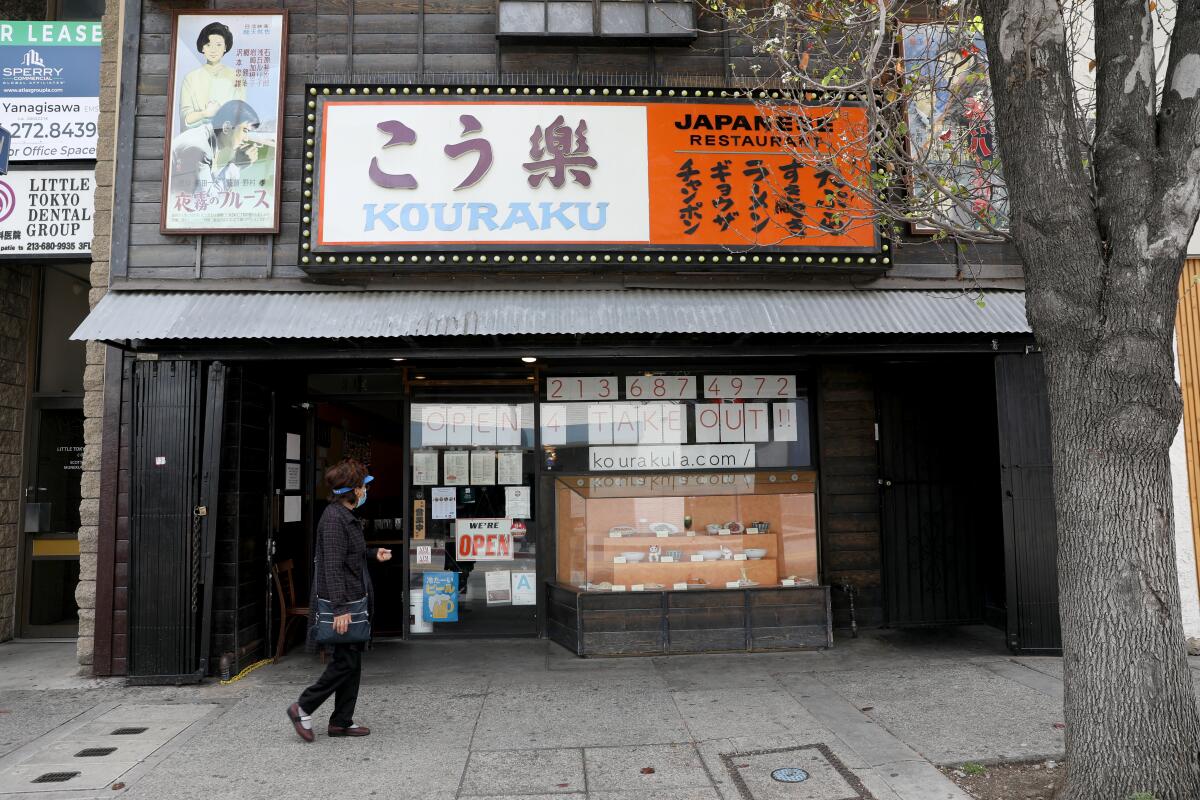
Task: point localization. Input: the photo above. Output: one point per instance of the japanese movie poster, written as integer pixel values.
(224, 122)
(951, 126)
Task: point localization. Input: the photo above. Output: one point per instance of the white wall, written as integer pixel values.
(1185, 547)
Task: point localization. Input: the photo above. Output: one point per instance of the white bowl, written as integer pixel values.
(755, 553)
(710, 555)
(634, 557)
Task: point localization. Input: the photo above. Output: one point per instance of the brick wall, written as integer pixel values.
(93, 374)
(16, 289)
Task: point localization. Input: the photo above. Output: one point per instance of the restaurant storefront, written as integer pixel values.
(632, 372)
(695, 494)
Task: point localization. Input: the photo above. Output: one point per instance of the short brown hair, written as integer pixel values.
(346, 474)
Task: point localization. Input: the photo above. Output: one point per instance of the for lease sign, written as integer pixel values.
(484, 540)
(49, 88)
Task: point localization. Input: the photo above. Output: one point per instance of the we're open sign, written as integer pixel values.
(484, 540)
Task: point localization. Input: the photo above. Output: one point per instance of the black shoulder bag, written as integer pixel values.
(359, 631)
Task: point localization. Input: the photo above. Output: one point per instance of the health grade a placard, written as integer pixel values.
(440, 591)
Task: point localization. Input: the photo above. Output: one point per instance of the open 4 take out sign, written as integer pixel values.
(484, 540)
(666, 182)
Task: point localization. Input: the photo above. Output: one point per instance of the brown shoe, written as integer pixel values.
(353, 730)
(304, 733)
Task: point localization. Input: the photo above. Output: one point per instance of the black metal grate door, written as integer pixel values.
(1027, 485)
(164, 541)
(938, 489)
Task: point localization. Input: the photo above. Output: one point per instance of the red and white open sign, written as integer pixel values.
(484, 540)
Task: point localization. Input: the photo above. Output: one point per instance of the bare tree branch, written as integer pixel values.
(1125, 102)
(1179, 132)
(1040, 139)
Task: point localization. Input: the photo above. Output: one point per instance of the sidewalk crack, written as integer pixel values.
(462, 779)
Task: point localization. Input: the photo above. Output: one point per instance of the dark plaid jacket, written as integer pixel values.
(341, 575)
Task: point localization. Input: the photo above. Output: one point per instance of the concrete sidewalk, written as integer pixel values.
(522, 719)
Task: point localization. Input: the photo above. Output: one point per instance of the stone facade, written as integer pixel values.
(16, 290)
(93, 375)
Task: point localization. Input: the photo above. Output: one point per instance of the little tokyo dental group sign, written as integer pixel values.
(470, 177)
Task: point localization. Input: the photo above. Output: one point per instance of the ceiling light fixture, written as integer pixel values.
(529, 359)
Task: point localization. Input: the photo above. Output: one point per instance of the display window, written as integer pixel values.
(681, 481)
(677, 532)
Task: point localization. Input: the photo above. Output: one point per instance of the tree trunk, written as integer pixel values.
(1103, 253)
(1132, 722)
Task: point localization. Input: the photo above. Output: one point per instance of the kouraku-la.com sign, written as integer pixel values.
(411, 174)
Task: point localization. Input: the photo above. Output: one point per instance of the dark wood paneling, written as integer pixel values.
(849, 470)
(699, 622)
(784, 620)
(647, 623)
(449, 40)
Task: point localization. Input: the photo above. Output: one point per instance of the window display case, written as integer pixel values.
(678, 532)
(674, 563)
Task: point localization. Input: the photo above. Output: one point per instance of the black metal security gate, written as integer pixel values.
(938, 489)
(172, 486)
(1027, 485)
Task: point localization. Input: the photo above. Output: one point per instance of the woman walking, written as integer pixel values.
(341, 578)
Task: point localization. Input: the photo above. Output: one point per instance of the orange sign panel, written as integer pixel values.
(734, 176)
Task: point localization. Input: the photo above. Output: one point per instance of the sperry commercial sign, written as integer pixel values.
(491, 176)
(49, 88)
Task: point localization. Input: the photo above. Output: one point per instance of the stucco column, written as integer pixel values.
(93, 374)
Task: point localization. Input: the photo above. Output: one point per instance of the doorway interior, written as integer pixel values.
(942, 532)
(379, 413)
(49, 552)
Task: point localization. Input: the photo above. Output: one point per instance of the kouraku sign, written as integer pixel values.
(464, 176)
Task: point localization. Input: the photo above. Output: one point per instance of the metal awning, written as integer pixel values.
(164, 316)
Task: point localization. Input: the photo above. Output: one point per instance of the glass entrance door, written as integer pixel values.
(50, 552)
(472, 535)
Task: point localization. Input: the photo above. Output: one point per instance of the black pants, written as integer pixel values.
(341, 676)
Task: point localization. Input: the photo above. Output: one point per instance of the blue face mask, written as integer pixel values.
(361, 500)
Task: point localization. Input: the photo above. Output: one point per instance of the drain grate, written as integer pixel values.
(129, 731)
(813, 755)
(55, 777)
(95, 752)
(790, 775)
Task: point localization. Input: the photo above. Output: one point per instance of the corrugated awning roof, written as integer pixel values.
(154, 316)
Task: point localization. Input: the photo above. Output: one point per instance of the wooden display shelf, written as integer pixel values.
(702, 538)
(763, 571)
